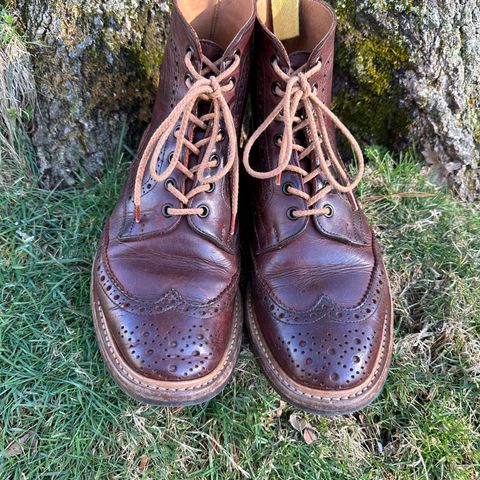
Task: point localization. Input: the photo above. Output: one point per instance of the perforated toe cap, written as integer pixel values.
(324, 356)
(159, 348)
(167, 339)
(327, 347)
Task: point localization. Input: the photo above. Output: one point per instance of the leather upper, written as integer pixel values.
(167, 285)
(319, 287)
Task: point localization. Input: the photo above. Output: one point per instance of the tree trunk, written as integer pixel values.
(96, 69)
(407, 72)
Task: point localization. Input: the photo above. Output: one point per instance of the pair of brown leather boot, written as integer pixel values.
(165, 283)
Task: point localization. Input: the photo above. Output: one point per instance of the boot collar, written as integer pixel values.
(318, 53)
(195, 42)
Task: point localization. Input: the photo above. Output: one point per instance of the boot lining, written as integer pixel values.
(216, 20)
(315, 22)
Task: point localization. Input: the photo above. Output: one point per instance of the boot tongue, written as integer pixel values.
(211, 50)
(298, 59)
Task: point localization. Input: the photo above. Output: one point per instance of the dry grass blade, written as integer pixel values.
(377, 198)
(227, 454)
(17, 95)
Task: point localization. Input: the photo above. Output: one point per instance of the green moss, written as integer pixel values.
(150, 61)
(375, 59)
(474, 111)
(373, 118)
(8, 29)
(348, 7)
(368, 60)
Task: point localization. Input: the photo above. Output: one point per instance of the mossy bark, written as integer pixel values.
(96, 69)
(409, 72)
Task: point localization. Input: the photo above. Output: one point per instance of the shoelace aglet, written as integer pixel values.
(279, 178)
(137, 213)
(353, 201)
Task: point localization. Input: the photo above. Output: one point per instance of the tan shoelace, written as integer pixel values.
(298, 92)
(210, 90)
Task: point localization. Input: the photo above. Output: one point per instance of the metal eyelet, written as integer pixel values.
(274, 59)
(286, 186)
(205, 211)
(290, 213)
(315, 87)
(176, 129)
(330, 210)
(275, 85)
(221, 133)
(190, 49)
(233, 81)
(215, 158)
(165, 210)
(188, 79)
(211, 188)
(277, 139)
(170, 157)
(229, 61)
(170, 181)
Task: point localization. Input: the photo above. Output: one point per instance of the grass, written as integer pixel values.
(62, 417)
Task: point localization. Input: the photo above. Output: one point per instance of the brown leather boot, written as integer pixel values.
(318, 308)
(165, 298)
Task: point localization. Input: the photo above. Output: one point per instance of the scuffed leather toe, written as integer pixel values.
(327, 346)
(169, 338)
(326, 354)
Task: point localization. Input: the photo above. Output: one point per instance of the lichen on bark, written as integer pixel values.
(409, 72)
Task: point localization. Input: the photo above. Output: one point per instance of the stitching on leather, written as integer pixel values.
(340, 236)
(333, 25)
(326, 60)
(176, 76)
(357, 224)
(115, 281)
(227, 246)
(359, 238)
(243, 81)
(322, 300)
(275, 234)
(126, 231)
(296, 390)
(377, 266)
(149, 386)
(103, 258)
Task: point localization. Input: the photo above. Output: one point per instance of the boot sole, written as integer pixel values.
(160, 392)
(320, 402)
